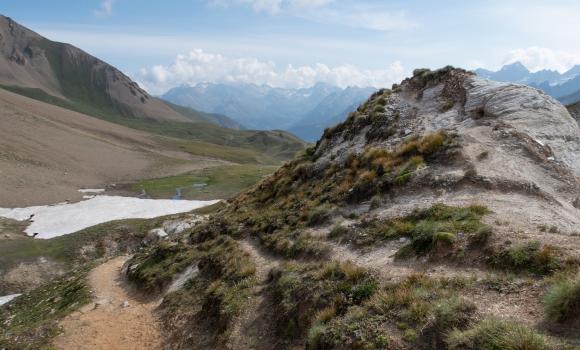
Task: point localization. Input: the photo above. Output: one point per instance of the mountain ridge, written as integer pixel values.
(31, 64)
(305, 111)
(563, 86)
(444, 179)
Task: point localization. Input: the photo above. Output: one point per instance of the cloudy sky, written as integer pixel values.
(295, 43)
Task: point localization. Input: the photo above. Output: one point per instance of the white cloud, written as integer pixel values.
(538, 58)
(199, 66)
(364, 17)
(106, 8)
(272, 6)
(358, 15)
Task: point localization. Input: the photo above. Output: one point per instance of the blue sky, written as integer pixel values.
(293, 43)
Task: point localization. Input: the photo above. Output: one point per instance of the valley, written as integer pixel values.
(256, 207)
(370, 237)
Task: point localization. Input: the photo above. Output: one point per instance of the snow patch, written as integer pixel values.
(8, 298)
(92, 190)
(65, 218)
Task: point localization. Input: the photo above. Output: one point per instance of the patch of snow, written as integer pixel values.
(92, 190)
(8, 298)
(62, 219)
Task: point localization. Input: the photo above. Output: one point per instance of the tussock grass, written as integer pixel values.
(562, 301)
(304, 293)
(493, 334)
(213, 298)
(530, 257)
(434, 227)
(424, 309)
(154, 269)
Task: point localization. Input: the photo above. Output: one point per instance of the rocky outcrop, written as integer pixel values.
(514, 140)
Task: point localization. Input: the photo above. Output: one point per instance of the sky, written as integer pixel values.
(296, 43)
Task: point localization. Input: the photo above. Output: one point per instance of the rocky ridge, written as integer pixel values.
(442, 214)
(447, 189)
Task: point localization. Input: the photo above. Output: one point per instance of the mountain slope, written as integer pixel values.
(64, 76)
(67, 76)
(567, 92)
(47, 153)
(305, 112)
(332, 110)
(201, 117)
(260, 107)
(397, 230)
(441, 214)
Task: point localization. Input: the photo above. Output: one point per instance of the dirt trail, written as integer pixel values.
(109, 322)
(264, 262)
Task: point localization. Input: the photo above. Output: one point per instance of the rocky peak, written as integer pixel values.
(459, 101)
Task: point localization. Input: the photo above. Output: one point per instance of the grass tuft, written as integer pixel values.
(530, 257)
(492, 334)
(562, 301)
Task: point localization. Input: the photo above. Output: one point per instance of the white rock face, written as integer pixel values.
(529, 111)
(66, 218)
(91, 190)
(8, 298)
(182, 278)
(178, 226)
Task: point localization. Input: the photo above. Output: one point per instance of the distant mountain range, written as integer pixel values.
(59, 74)
(563, 86)
(305, 112)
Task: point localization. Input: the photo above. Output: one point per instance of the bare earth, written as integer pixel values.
(108, 322)
(47, 153)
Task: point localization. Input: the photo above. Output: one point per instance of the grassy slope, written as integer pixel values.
(202, 139)
(85, 92)
(197, 116)
(222, 182)
(66, 248)
(31, 321)
(320, 306)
